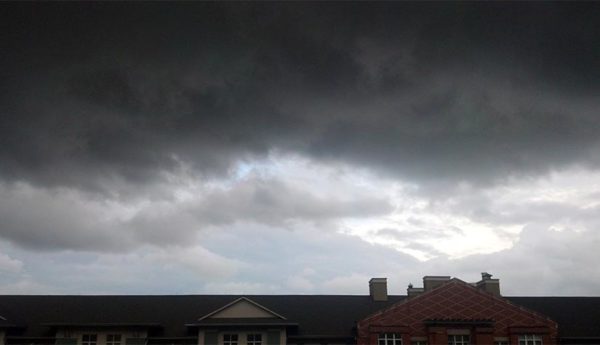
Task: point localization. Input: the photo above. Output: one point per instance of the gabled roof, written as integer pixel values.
(454, 301)
(266, 311)
(577, 317)
(315, 314)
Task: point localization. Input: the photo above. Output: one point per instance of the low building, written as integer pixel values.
(445, 311)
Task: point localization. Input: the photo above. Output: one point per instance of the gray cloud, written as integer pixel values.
(546, 261)
(48, 219)
(518, 211)
(54, 220)
(430, 92)
(274, 202)
(270, 202)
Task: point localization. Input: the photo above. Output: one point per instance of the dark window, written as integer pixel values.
(254, 339)
(230, 339)
(89, 339)
(113, 339)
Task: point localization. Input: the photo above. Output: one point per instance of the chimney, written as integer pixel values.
(431, 282)
(378, 289)
(413, 291)
(488, 284)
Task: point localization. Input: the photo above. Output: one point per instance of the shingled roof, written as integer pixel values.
(577, 317)
(323, 315)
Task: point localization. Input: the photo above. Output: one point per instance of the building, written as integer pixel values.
(445, 311)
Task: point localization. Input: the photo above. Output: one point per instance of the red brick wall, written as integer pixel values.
(456, 300)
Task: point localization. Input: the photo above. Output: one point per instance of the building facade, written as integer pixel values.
(445, 311)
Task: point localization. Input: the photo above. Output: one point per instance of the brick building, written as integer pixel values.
(445, 311)
(450, 311)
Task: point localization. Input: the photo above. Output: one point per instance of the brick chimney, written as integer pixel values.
(431, 282)
(378, 289)
(488, 284)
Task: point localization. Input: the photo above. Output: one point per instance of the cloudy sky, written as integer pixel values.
(298, 148)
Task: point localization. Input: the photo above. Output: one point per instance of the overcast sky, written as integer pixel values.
(298, 148)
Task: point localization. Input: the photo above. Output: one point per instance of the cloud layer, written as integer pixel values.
(234, 142)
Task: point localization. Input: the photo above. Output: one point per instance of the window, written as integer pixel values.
(390, 339)
(230, 339)
(89, 339)
(254, 339)
(530, 339)
(113, 339)
(459, 340)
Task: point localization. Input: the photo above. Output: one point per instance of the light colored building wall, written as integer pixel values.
(101, 333)
(2, 337)
(283, 337)
(242, 336)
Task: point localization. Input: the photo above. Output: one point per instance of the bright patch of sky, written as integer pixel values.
(442, 225)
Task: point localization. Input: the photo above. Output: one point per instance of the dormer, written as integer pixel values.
(242, 321)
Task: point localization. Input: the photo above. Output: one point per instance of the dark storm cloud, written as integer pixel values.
(106, 95)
